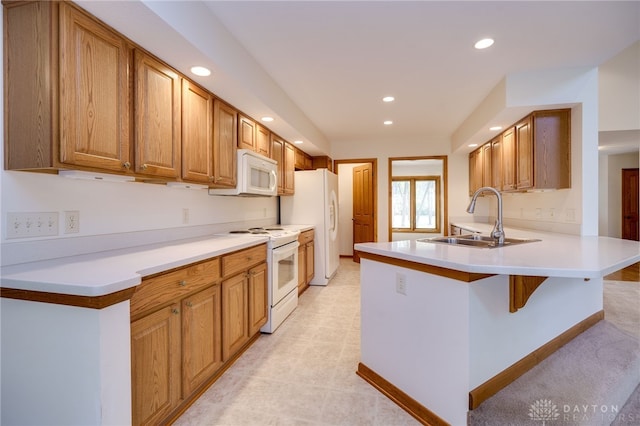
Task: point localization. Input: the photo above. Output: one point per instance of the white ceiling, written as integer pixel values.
(335, 60)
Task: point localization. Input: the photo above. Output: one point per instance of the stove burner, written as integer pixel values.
(239, 232)
(261, 231)
(257, 229)
(274, 229)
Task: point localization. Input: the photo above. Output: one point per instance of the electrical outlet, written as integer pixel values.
(401, 283)
(30, 225)
(185, 216)
(570, 215)
(538, 213)
(71, 222)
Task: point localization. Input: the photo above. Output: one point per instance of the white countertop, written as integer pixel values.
(556, 255)
(106, 272)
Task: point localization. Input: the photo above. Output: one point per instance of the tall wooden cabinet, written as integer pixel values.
(157, 118)
(68, 90)
(225, 137)
(197, 134)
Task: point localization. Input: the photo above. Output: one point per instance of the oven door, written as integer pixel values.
(284, 271)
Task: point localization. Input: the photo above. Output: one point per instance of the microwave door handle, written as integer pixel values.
(273, 178)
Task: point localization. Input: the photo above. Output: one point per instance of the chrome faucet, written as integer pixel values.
(498, 232)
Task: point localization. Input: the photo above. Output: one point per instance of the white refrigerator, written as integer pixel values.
(315, 202)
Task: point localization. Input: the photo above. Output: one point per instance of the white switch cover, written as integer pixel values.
(30, 225)
(401, 283)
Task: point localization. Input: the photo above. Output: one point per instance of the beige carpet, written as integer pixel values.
(592, 380)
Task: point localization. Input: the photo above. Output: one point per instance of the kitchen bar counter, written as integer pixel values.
(557, 255)
(438, 334)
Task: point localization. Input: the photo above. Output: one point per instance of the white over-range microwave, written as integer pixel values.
(257, 176)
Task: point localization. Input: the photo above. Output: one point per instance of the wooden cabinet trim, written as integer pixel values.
(92, 302)
(242, 260)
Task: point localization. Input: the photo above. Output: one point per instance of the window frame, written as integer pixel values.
(412, 204)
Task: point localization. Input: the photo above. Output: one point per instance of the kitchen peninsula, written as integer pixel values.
(444, 327)
(67, 328)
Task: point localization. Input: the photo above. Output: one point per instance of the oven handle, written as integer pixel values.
(286, 250)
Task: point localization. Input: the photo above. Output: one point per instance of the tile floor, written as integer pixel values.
(304, 373)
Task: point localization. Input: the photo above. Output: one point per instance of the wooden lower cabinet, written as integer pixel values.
(201, 338)
(188, 325)
(155, 365)
(306, 265)
(258, 298)
(235, 313)
(244, 308)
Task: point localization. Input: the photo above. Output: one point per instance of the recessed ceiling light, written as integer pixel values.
(388, 99)
(201, 71)
(267, 119)
(388, 122)
(298, 142)
(472, 145)
(484, 43)
(495, 128)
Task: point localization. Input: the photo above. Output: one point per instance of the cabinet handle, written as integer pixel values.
(126, 165)
(212, 179)
(175, 311)
(189, 304)
(144, 167)
(182, 283)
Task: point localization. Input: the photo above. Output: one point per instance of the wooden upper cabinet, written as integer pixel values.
(157, 118)
(496, 163)
(246, 133)
(94, 93)
(253, 136)
(277, 153)
(487, 176)
(197, 133)
(552, 149)
(509, 159)
(67, 88)
(524, 154)
(475, 170)
(289, 168)
(225, 136)
(263, 140)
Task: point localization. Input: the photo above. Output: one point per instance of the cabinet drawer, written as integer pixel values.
(243, 260)
(306, 237)
(160, 289)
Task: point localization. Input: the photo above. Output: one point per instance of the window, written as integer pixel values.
(415, 204)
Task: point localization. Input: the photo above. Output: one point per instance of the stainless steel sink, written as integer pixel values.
(476, 240)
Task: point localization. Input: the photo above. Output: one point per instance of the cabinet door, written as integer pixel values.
(155, 365)
(246, 133)
(475, 170)
(258, 312)
(95, 101)
(225, 136)
(496, 163)
(197, 133)
(509, 159)
(157, 118)
(302, 267)
(263, 140)
(201, 337)
(310, 261)
(277, 153)
(486, 165)
(289, 168)
(235, 313)
(524, 154)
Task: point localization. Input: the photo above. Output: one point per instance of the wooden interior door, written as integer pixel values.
(363, 206)
(630, 204)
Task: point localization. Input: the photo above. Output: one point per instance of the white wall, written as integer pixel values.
(619, 81)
